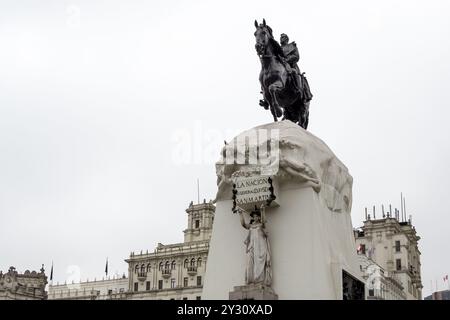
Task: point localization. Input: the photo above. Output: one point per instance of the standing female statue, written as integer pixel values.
(258, 269)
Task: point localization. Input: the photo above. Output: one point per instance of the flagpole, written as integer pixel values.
(448, 283)
(198, 190)
(51, 274)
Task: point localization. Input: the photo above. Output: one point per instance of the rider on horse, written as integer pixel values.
(290, 58)
(285, 90)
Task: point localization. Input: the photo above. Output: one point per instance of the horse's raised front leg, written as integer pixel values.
(274, 91)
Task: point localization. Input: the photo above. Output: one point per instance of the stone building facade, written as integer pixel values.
(439, 295)
(23, 286)
(393, 245)
(114, 288)
(175, 271)
(388, 256)
(380, 285)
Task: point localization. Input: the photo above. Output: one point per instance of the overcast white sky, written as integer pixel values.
(95, 94)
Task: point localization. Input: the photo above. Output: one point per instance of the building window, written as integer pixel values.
(197, 224)
(109, 292)
(147, 285)
(199, 280)
(363, 248)
(160, 284)
(398, 264)
(192, 262)
(186, 262)
(371, 292)
(149, 267)
(184, 298)
(397, 246)
(198, 298)
(172, 283)
(161, 264)
(136, 269)
(185, 282)
(136, 286)
(172, 266)
(199, 262)
(121, 290)
(167, 265)
(143, 268)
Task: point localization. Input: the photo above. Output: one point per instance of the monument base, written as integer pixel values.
(253, 292)
(310, 233)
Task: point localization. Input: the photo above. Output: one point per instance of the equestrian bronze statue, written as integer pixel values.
(285, 89)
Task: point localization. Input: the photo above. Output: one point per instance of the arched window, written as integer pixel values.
(143, 268)
(149, 267)
(186, 262)
(199, 262)
(136, 269)
(167, 266)
(173, 264)
(160, 266)
(193, 262)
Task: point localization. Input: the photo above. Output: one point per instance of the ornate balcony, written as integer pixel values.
(142, 276)
(166, 273)
(192, 270)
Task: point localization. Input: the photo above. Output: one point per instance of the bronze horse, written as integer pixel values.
(281, 93)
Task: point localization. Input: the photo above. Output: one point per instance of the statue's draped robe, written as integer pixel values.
(258, 256)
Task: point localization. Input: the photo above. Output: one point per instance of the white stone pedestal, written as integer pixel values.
(310, 233)
(253, 292)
